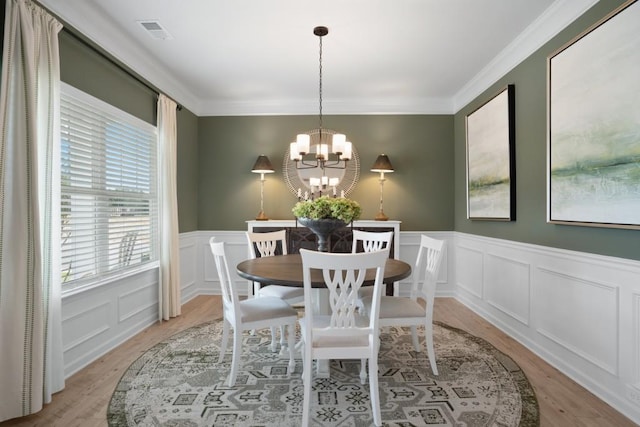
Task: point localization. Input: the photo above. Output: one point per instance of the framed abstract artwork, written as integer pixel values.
(491, 184)
(594, 125)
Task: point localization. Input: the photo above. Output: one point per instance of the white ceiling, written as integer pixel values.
(254, 57)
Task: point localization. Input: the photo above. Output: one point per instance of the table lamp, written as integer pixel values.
(262, 166)
(382, 165)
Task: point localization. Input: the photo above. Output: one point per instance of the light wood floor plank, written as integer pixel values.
(562, 401)
(84, 401)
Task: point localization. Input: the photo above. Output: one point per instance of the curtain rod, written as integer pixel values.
(116, 63)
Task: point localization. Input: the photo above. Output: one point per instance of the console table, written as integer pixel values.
(300, 237)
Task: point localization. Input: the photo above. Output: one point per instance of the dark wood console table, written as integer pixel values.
(340, 241)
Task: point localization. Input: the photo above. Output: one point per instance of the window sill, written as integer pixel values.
(109, 279)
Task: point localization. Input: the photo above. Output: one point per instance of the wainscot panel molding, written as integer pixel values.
(207, 282)
(189, 252)
(96, 320)
(236, 249)
(473, 260)
(580, 312)
(508, 286)
(409, 244)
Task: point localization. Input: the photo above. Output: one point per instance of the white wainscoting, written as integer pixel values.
(99, 319)
(206, 273)
(96, 320)
(237, 251)
(189, 261)
(409, 245)
(580, 312)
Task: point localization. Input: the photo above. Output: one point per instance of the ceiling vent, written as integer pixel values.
(155, 29)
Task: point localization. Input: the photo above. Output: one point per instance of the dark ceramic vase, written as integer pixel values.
(322, 228)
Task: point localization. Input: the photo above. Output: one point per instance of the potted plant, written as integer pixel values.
(324, 214)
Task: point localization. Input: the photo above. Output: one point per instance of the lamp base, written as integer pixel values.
(381, 216)
(261, 217)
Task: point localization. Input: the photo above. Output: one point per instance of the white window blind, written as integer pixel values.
(108, 189)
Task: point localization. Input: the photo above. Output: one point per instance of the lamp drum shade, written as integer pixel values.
(262, 165)
(382, 164)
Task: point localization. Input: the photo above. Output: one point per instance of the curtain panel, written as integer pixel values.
(169, 301)
(31, 366)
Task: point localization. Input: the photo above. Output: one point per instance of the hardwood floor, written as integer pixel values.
(562, 402)
(84, 401)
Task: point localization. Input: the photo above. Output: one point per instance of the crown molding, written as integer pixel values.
(556, 18)
(286, 107)
(102, 32)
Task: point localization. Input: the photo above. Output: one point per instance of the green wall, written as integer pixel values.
(85, 69)
(217, 191)
(90, 72)
(530, 79)
(187, 171)
(419, 192)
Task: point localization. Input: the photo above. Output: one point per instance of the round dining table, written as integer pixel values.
(286, 270)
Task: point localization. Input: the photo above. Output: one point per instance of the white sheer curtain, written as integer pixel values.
(31, 366)
(169, 248)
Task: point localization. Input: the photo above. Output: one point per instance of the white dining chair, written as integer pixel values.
(267, 244)
(408, 311)
(248, 314)
(370, 241)
(344, 332)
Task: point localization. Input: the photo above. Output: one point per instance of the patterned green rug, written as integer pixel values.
(179, 383)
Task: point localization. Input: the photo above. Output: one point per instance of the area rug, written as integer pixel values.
(179, 383)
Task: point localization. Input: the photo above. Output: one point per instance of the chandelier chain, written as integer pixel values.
(341, 149)
(320, 85)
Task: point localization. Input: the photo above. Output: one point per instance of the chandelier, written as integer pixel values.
(323, 155)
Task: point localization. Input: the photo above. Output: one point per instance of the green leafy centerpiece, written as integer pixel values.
(324, 214)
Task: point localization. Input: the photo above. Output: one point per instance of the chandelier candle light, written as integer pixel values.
(382, 165)
(300, 151)
(262, 166)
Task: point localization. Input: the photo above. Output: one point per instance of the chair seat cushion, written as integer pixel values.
(257, 309)
(339, 340)
(284, 292)
(396, 307)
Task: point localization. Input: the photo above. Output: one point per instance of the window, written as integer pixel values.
(109, 196)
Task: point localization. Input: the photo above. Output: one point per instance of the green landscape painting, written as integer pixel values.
(489, 159)
(594, 126)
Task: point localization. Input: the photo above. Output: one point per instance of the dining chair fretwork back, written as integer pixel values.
(344, 332)
(248, 314)
(270, 244)
(408, 311)
(370, 241)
